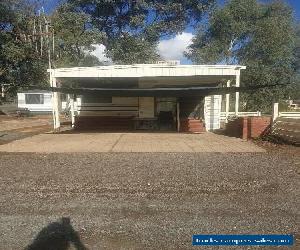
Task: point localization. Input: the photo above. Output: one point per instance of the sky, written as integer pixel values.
(178, 43)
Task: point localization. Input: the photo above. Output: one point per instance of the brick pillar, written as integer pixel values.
(259, 126)
(245, 127)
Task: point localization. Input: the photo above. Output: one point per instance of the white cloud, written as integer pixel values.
(99, 52)
(168, 49)
(172, 49)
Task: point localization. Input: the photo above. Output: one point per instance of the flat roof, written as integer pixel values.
(146, 70)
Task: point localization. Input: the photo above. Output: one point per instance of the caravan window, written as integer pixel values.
(34, 98)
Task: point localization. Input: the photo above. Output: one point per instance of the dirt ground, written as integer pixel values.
(15, 128)
(148, 200)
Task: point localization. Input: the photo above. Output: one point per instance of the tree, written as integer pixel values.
(74, 38)
(24, 45)
(260, 36)
(295, 88)
(130, 30)
(133, 28)
(19, 63)
(128, 49)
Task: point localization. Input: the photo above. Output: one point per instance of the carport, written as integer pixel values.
(119, 94)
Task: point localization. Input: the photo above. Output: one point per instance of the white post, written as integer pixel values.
(227, 102)
(2, 91)
(237, 94)
(72, 110)
(53, 112)
(55, 104)
(275, 111)
(178, 117)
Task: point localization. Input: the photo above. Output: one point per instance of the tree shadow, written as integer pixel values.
(57, 236)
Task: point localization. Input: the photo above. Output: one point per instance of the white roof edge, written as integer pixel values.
(236, 67)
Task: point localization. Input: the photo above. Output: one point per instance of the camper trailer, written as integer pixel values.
(37, 101)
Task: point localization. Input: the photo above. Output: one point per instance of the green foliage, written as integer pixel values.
(133, 28)
(73, 38)
(19, 64)
(129, 50)
(260, 36)
(130, 30)
(21, 61)
(228, 30)
(295, 88)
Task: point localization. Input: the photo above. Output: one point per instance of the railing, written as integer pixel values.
(240, 114)
(294, 115)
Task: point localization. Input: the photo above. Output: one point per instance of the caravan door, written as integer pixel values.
(146, 107)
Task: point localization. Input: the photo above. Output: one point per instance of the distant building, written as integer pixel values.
(294, 104)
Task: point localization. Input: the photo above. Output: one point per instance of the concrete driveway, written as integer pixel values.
(130, 142)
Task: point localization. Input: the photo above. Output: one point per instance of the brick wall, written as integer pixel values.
(103, 123)
(259, 126)
(248, 127)
(191, 125)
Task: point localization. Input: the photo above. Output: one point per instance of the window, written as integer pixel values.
(96, 99)
(34, 98)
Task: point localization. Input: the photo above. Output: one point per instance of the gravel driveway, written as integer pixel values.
(148, 200)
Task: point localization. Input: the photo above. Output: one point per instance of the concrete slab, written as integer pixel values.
(130, 142)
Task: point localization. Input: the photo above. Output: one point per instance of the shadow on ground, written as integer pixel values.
(57, 236)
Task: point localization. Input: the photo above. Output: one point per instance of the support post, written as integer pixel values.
(2, 91)
(237, 94)
(178, 117)
(55, 104)
(275, 111)
(227, 102)
(72, 110)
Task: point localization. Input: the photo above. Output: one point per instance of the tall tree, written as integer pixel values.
(19, 63)
(74, 38)
(129, 29)
(260, 36)
(133, 28)
(25, 43)
(295, 90)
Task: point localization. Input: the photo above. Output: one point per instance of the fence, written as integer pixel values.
(240, 114)
(295, 115)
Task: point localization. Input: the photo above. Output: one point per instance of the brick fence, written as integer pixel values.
(191, 125)
(248, 127)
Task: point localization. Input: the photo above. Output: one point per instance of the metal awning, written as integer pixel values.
(146, 75)
(155, 92)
